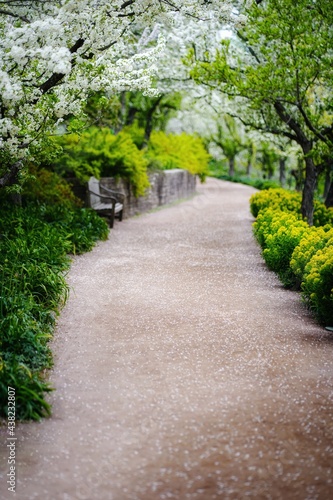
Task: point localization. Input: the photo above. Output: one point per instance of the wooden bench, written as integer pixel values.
(109, 203)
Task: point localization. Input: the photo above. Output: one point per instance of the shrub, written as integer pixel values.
(30, 392)
(168, 151)
(281, 232)
(34, 246)
(260, 184)
(98, 152)
(261, 227)
(280, 199)
(317, 285)
(299, 254)
(48, 187)
(287, 201)
(316, 238)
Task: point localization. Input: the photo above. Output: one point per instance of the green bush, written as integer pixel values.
(34, 245)
(279, 199)
(168, 151)
(30, 390)
(288, 201)
(302, 256)
(45, 186)
(261, 227)
(98, 152)
(260, 184)
(279, 233)
(316, 238)
(317, 285)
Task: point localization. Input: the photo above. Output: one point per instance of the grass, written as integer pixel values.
(35, 244)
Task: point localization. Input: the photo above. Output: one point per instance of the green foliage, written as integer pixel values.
(103, 110)
(137, 134)
(280, 71)
(34, 246)
(30, 389)
(302, 256)
(151, 112)
(277, 198)
(312, 263)
(315, 239)
(268, 158)
(280, 232)
(317, 285)
(98, 152)
(260, 184)
(228, 140)
(288, 201)
(168, 151)
(45, 186)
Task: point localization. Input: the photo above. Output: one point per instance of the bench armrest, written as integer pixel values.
(102, 196)
(116, 194)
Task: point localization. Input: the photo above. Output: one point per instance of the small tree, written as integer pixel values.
(228, 139)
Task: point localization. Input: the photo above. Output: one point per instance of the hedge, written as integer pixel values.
(301, 255)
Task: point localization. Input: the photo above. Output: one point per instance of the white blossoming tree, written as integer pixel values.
(54, 53)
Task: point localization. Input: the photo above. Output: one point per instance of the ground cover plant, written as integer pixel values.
(35, 243)
(301, 255)
(256, 183)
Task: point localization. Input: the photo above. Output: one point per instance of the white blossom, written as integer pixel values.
(52, 54)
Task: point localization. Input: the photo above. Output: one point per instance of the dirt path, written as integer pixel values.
(183, 370)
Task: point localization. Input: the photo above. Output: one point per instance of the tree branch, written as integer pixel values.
(265, 128)
(11, 14)
(308, 123)
(57, 77)
(291, 122)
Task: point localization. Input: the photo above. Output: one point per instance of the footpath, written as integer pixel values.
(183, 370)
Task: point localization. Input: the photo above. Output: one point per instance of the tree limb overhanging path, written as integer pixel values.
(183, 370)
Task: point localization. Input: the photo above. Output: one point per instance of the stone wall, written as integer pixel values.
(166, 187)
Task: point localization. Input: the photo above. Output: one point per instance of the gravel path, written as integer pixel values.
(183, 370)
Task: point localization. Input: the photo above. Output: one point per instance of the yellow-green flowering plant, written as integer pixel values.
(317, 286)
(316, 238)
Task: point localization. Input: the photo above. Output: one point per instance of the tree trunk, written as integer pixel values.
(148, 127)
(310, 183)
(248, 168)
(149, 120)
(122, 113)
(231, 167)
(329, 196)
(11, 177)
(298, 175)
(16, 199)
(282, 166)
(328, 189)
(327, 181)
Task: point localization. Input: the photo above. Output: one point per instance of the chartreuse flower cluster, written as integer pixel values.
(302, 256)
(288, 201)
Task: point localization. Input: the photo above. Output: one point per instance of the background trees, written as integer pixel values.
(278, 71)
(54, 54)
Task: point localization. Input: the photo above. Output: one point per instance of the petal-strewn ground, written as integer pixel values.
(183, 370)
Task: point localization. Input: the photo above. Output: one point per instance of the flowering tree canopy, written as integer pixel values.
(54, 53)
